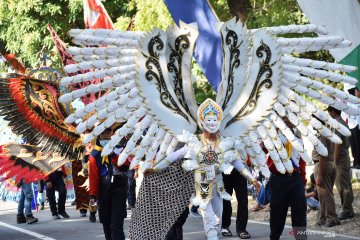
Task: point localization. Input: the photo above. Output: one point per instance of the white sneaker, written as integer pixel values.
(212, 234)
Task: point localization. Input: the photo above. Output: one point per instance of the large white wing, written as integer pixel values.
(147, 79)
(262, 83)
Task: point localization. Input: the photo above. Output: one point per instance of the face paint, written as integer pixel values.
(211, 123)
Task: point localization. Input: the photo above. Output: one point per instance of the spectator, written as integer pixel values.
(26, 195)
(41, 194)
(263, 198)
(131, 194)
(312, 195)
(235, 181)
(342, 166)
(354, 126)
(55, 182)
(325, 175)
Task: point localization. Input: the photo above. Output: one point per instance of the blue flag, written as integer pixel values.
(208, 52)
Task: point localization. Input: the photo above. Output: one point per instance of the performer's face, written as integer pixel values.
(211, 123)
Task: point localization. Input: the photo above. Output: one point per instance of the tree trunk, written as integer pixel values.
(239, 8)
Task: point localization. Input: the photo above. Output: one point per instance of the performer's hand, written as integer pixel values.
(256, 184)
(49, 185)
(136, 174)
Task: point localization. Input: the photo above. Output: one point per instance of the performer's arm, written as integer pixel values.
(171, 158)
(93, 177)
(239, 166)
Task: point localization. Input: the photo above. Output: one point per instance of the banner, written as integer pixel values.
(339, 17)
(95, 15)
(208, 52)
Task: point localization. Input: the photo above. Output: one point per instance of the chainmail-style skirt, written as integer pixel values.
(163, 196)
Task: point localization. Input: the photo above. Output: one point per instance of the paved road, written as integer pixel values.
(80, 228)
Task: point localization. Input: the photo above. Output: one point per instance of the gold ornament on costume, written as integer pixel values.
(209, 107)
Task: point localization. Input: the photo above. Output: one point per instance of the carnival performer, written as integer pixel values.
(80, 178)
(209, 161)
(160, 191)
(149, 84)
(108, 187)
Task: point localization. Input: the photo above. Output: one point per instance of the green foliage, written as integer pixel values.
(267, 13)
(23, 23)
(150, 14)
(221, 9)
(202, 88)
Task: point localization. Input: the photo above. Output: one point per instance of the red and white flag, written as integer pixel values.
(95, 15)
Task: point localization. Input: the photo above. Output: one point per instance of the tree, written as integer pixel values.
(23, 23)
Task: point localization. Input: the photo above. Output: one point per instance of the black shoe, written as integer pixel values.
(83, 212)
(346, 215)
(20, 219)
(92, 217)
(55, 216)
(320, 223)
(31, 219)
(332, 223)
(64, 214)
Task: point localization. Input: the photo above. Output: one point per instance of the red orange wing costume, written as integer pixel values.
(32, 109)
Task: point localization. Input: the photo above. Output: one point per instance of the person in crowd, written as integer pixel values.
(55, 182)
(26, 196)
(288, 190)
(311, 195)
(80, 176)
(235, 181)
(325, 174)
(131, 194)
(41, 194)
(108, 188)
(163, 200)
(341, 158)
(263, 199)
(354, 126)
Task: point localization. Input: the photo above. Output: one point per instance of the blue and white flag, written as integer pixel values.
(208, 52)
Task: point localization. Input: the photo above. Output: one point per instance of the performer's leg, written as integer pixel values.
(217, 205)
(60, 185)
(208, 217)
(279, 204)
(227, 209)
(27, 188)
(298, 207)
(131, 188)
(176, 231)
(118, 207)
(21, 202)
(242, 200)
(51, 197)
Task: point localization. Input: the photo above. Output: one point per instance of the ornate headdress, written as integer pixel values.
(209, 107)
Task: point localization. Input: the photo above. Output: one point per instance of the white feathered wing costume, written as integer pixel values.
(148, 79)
